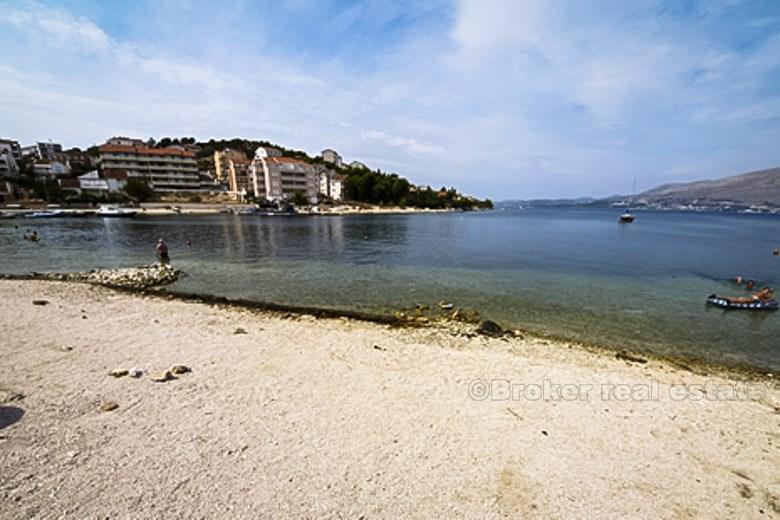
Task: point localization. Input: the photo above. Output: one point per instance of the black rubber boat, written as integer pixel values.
(740, 303)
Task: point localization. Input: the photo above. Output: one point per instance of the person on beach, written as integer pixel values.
(188, 243)
(162, 252)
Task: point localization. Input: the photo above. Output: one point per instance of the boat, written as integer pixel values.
(44, 214)
(761, 301)
(4, 215)
(113, 211)
(277, 213)
(627, 217)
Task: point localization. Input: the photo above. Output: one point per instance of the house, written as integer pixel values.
(271, 151)
(358, 165)
(91, 181)
(125, 141)
(96, 183)
(279, 178)
(332, 157)
(77, 160)
(332, 184)
(165, 169)
(49, 169)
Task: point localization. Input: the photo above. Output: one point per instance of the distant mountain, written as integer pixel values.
(754, 188)
(758, 190)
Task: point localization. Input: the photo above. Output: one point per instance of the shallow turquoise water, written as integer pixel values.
(573, 273)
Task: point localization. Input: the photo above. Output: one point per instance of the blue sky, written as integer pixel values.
(501, 98)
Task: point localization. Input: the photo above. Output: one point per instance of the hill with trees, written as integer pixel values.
(362, 185)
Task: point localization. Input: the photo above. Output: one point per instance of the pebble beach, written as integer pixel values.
(290, 415)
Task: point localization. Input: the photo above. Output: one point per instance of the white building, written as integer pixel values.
(358, 165)
(332, 157)
(125, 141)
(96, 182)
(91, 181)
(10, 153)
(278, 178)
(332, 184)
(8, 166)
(271, 151)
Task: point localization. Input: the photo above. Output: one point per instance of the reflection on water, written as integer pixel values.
(569, 272)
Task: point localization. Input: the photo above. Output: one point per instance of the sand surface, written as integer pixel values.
(341, 419)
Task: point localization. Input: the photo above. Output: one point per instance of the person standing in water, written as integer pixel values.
(162, 252)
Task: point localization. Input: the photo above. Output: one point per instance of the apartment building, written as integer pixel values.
(222, 160)
(165, 169)
(10, 153)
(43, 151)
(332, 184)
(278, 178)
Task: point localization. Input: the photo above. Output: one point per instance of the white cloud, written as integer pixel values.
(181, 73)
(407, 144)
(512, 98)
(482, 27)
(56, 26)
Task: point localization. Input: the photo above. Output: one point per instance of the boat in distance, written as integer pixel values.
(45, 214)
(626, 218)
(113, 211)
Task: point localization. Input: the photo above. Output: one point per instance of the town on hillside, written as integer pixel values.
(182, 170)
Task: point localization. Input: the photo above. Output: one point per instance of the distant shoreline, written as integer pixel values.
(212, 209)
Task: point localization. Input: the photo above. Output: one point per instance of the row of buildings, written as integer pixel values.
(271, 176)
(48, 160)
(175, 169)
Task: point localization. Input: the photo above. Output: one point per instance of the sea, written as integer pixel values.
(567, 273)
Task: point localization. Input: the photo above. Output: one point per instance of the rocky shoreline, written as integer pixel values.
(141, 277)
(444, 316)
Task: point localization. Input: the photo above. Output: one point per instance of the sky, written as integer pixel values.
(508, 99)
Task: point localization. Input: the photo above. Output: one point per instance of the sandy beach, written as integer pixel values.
(292, 416)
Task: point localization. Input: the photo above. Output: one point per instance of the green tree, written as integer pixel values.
(299, 199)
(138, 189)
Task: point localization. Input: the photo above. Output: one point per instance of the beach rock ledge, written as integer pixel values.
(142, 277)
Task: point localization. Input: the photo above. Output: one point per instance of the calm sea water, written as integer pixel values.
(573, 273)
